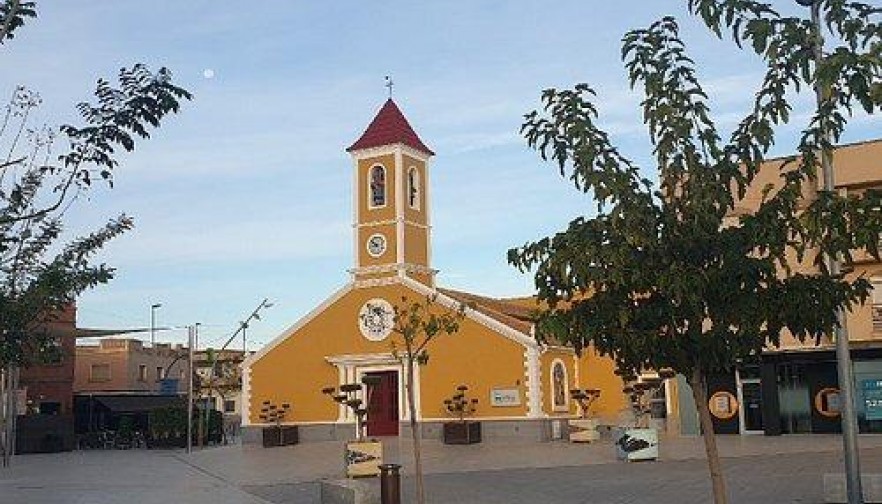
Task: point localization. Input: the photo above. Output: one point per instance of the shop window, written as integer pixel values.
(50, 408)
(877, 303)
(229, 406)
(99, 372)
(377, 186)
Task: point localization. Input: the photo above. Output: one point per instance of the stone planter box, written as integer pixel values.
(636, 444)
(288, 436)
(363, 458)
(462, 432)
(583, 430)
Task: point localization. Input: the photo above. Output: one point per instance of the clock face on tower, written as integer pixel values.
(375, 319)
(376, 245)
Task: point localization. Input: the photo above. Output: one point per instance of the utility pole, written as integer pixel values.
(153, 308)
(843, 356)
(190, 345)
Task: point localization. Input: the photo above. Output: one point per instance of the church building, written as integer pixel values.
(521, 386)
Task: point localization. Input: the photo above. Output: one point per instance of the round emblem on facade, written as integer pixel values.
(827, 402)
(375, 319)
(723, 405)
(376, 245)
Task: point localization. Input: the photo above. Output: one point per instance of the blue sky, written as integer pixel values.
(246, 194)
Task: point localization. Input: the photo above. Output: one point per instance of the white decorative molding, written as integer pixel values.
(382, 150)
(399, 205)
(375, 282)
(246, 364)
(362, 359)
(375, 319)
(388, 268)
(534, 383)
(355, 207)
(428, 213)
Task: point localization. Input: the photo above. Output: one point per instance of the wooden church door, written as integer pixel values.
(382, 416)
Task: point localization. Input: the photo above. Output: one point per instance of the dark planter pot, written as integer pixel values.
(462, 432)
(289, 436)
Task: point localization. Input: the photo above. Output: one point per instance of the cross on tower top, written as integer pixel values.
(389, 84)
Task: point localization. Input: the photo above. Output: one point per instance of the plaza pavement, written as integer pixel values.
(758, 470)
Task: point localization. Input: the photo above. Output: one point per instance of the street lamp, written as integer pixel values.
(153, 308)
(843, 358)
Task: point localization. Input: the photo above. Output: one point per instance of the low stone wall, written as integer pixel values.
(539, 430)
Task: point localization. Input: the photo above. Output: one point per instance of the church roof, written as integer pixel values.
(389, 127)
(515, 313)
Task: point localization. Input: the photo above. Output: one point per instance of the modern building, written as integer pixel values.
(521, 385)
(794, 388)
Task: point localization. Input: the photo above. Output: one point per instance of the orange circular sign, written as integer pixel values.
(723, 405)
(827, 402)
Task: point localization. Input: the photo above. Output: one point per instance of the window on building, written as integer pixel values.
(229, 406)
(52, 353)
(159, 373)
(877, 303)
(378, 186)
(99, 372)
(142, 373)
(413, 188)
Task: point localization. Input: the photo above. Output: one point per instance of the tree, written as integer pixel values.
(416, 325)
(656, 279)
(39, 276)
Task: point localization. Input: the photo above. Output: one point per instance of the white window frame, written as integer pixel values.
(368, 184)
(413, 188)
(566, 384)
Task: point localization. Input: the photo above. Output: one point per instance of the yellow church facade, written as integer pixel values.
(521, 386)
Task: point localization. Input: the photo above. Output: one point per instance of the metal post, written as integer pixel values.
(153, 308)
(843, 356)
(190, 343)
(390, 484)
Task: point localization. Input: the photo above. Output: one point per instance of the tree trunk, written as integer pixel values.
(699, 393)
(414, 430)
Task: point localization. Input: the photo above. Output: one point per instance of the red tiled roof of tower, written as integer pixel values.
(389, 127)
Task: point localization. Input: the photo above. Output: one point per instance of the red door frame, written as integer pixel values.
(382, 417)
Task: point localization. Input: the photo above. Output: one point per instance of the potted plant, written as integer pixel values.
(277, 435)
(461, 431)
(639, 441)
(362, 456)
(584, 428)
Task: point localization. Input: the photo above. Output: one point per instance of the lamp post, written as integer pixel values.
(840, 333)
(153, 308)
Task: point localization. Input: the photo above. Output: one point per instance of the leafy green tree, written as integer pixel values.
(416, 325)
(45, 170)
(657, 279)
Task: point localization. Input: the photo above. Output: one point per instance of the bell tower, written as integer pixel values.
(391, 225)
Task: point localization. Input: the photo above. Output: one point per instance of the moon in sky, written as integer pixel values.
(208, 73)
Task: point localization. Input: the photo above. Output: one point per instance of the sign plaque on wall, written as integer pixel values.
(872, 390)
(502, 397)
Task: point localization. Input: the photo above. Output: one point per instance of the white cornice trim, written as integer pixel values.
(246, 364)
(474, 315)
(388, 222)
(376, 282)
(362, 359)
(388, 268)
(389, 149)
